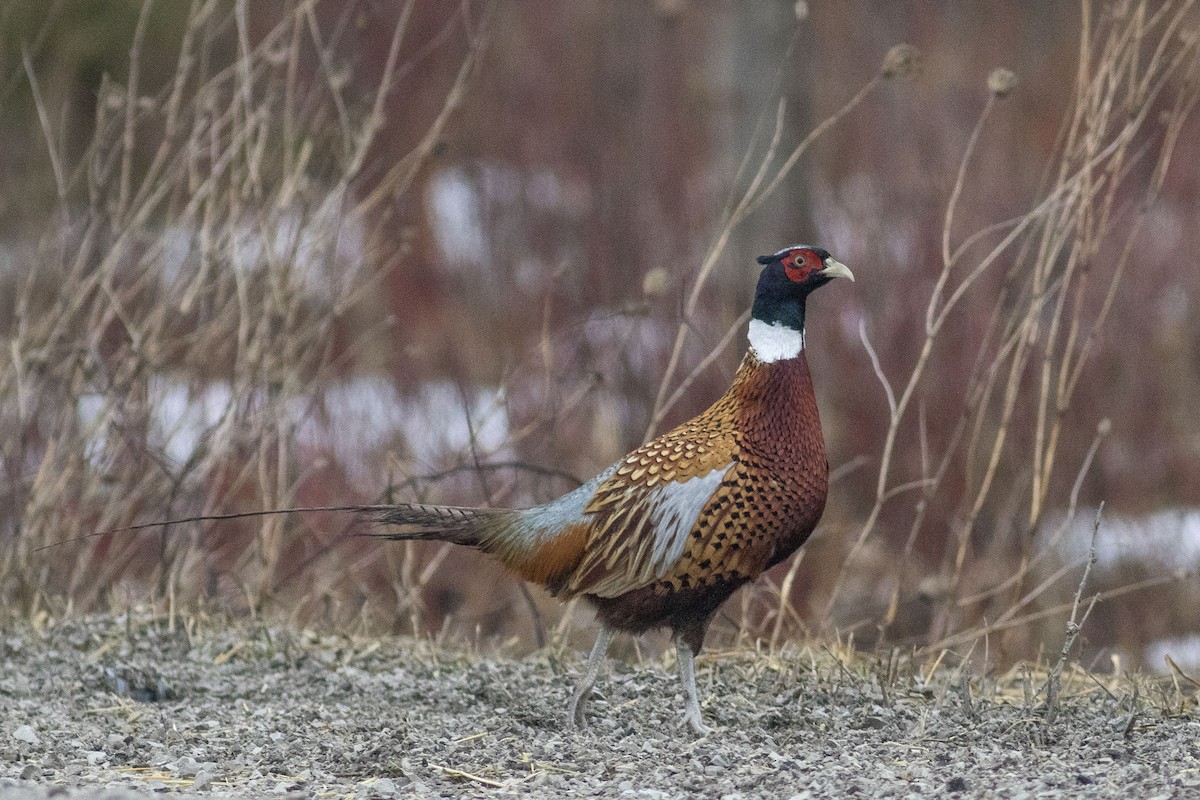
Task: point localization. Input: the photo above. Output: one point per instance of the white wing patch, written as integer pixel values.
(659, 538)
(677, 506)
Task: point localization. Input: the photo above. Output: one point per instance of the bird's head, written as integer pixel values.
(795, 271)
(787, 278)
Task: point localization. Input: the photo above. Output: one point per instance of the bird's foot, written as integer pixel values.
(692, 717)
(686, 658)
(576, 718)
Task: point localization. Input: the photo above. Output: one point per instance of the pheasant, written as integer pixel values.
(662, 537)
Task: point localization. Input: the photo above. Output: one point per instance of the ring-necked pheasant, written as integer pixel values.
(662, 537)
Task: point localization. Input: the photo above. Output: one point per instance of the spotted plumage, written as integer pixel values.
(665, 535)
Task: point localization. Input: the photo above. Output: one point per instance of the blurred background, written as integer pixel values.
(260, 255)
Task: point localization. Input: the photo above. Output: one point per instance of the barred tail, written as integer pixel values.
(465, 526)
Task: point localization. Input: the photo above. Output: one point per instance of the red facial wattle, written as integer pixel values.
(797, 268)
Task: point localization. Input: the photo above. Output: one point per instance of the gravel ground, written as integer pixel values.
(120, 708)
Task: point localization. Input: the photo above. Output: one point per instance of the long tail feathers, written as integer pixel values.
(457, 524)
(501, 532)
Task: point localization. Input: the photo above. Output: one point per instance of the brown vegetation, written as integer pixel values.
(336, 253)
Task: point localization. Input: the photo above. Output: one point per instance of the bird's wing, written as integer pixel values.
(641, 515)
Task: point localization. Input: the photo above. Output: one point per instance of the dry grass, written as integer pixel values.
(221, 247)
(1050, 277)
(210, 252)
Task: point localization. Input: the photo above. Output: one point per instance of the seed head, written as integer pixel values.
(901, 61)
(1002, 81)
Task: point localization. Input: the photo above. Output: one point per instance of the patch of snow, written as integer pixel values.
(1168, 538)
(353, 420)
(457, 217)
(89, 408)
(320, 248)
(363, 414)
(183, 414)
(1183, 650)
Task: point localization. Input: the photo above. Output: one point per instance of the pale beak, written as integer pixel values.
(836, 269)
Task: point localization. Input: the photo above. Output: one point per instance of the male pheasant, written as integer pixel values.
(662, 537)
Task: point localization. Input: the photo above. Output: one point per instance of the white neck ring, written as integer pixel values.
(775, 342)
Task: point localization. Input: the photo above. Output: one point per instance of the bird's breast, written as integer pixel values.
(776, 416)
(773, 495)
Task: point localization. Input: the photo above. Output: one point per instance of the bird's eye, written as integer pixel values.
(795, 267)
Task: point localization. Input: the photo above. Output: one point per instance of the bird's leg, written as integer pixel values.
(687, 676)
(575, 715)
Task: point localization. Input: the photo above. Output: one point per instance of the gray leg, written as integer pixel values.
(575, 715)
(687, 676)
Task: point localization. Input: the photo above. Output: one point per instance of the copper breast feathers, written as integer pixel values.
(716, 500)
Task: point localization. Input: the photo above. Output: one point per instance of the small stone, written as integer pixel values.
(202, 781)
(26, 733)
(383, 786)
(95, 757)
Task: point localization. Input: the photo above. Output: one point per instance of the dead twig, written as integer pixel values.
(1074, 627)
